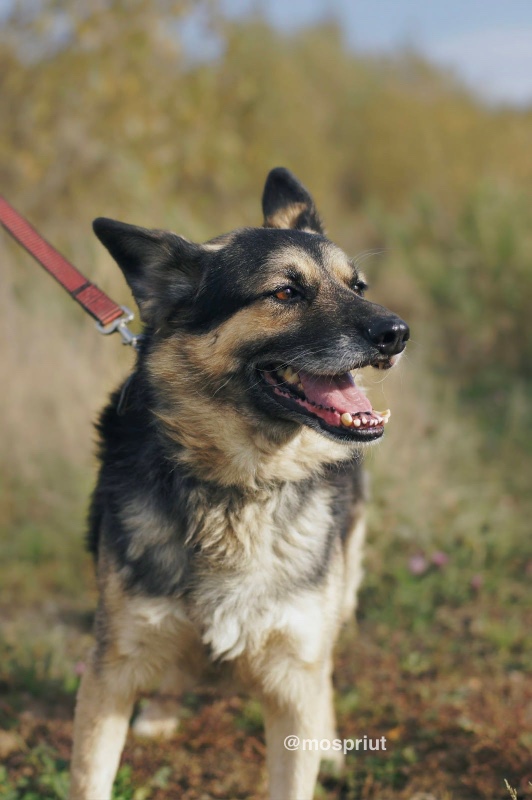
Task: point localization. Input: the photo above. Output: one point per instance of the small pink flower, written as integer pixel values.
(477, 582)
(418, 564)
(439, 559)
(79, 667)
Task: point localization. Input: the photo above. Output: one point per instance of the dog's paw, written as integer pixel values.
(157, 721)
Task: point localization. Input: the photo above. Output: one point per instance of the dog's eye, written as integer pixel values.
(287, 294)
(360, 287)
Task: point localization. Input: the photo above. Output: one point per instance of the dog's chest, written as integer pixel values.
(258, 569)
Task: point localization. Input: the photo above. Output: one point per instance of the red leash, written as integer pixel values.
(109, 316)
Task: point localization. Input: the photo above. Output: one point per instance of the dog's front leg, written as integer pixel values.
(333, 760)
(294, 722)
(104, 706)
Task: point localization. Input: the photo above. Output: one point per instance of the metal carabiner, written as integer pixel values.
(120, 326)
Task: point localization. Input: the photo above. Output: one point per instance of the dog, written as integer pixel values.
(227, 522)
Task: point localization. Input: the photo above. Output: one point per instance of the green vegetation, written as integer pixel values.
(103, 113)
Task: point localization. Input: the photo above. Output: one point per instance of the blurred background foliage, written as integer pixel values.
(104, 110)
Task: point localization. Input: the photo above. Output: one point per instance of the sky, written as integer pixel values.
(487, 42)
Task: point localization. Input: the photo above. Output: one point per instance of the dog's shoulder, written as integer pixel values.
(137, 511)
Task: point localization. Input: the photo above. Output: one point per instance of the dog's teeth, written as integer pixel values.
(289, 375)
(364, 419)
(347, 419)
(356, 422)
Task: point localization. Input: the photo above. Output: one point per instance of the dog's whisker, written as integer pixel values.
(379, 381)
(359, 259)
(229, 379)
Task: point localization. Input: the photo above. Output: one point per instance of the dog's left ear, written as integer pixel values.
(160, 267)
(287, 204)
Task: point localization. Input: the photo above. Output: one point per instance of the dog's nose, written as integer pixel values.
(389, 335)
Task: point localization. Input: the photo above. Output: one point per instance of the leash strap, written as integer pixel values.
(109, 316)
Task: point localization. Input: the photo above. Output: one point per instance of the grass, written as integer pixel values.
(455, 724)
(47, 777)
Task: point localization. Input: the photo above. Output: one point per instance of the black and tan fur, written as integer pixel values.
(228, 528)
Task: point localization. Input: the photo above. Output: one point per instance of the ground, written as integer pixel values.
(456, 716)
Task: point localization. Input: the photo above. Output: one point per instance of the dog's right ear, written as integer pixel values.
(287, 204)
(160, 267)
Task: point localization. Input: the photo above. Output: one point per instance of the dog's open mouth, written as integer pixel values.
(333, 401)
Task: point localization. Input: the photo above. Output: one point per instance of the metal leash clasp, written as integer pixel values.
(120, 325)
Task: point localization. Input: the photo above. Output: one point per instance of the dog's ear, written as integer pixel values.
(287, 204)
(160, 267)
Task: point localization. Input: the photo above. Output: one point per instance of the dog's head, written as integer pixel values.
(266, 323)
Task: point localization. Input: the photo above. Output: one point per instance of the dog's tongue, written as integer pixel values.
(338, 391)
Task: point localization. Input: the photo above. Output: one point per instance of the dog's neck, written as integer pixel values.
(237, 454)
